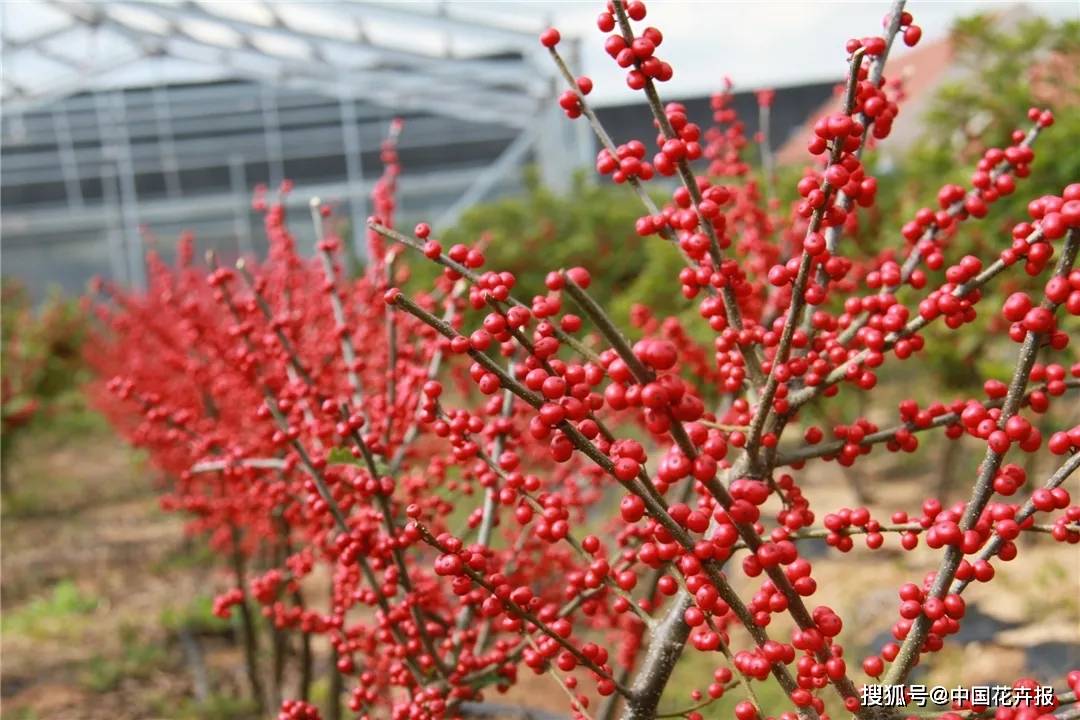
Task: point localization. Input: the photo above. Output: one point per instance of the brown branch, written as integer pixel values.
(991, 549)
(524, 614)
(665, 649)
(444, 260)
(877, 69)
(800, 397)
(808, 452)
(956, 210)
(798, 290)
(654, 505)
(983, 488)
(689, 181)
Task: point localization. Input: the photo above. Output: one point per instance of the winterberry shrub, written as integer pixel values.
(496, 484)
(42, 364)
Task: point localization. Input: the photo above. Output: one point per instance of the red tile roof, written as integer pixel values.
(923, 69)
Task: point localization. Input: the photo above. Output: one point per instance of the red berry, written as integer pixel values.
(745, 710)
(550, 38)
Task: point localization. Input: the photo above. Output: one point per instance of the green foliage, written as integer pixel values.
(25, 713)
(42, 349)
(1051, 573)
(215, 707)
(689, 673)
(995, 84)
(197, 617)
(320, 691)
(591, 226)
(52, 615)
(342, 456)
(998, 80)
(194, 553)
(41, 359)
(137, 659)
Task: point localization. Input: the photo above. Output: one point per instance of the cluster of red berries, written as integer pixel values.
(224, 603)
(726, 139)
(298, 710)
(445, 456)
(638, 53)
(628, 161)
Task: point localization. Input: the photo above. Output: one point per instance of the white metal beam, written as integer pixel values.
(20, 226)
(461, 87)
(24, 100)
(444, 18)
(507, 162)
(490, 82)
(205, 153)
(482, 72)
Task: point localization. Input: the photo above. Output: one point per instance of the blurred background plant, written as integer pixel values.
(997, 70)
(41, 357)
(1001, 69)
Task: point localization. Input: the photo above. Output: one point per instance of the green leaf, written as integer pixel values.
(342, 456)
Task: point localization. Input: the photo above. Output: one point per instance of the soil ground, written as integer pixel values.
(103, 595)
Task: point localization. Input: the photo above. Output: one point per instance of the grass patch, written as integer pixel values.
(197, 617)
(69, 417)
(194, 553)
(319, 691)
(137, 660)
(1051, 573)
(215, 707)
(25, 713)
(695, 670)
(68, 461)
(51, 615)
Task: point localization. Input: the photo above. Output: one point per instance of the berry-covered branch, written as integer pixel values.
(494, 475)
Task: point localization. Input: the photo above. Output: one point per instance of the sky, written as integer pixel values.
(757, 44)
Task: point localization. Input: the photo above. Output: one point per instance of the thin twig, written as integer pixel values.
(983, 488)
(798, 290)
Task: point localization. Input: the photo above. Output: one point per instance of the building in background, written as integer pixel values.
(923, 71)
(124, 123)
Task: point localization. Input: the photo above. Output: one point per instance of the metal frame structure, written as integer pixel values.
(126, 104)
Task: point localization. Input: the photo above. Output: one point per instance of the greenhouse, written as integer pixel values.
(539, 360)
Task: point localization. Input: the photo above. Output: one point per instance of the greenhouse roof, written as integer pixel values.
(415, 56)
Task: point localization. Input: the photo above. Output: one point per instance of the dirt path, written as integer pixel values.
(96, 579)
(98, 582)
